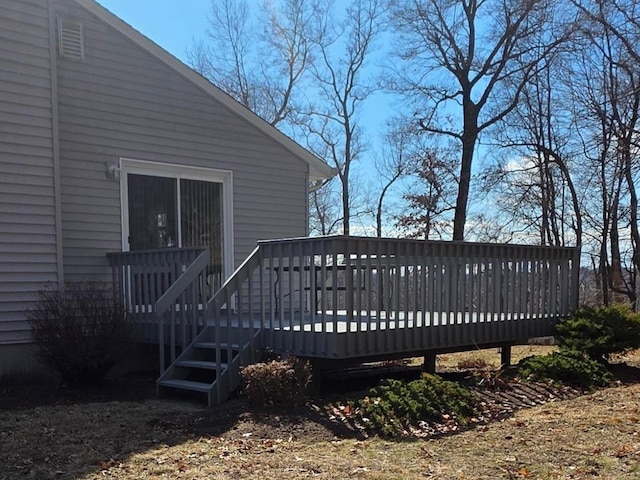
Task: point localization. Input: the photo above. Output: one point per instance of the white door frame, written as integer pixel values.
(167, 170)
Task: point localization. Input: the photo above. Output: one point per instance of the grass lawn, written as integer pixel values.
(595, 436)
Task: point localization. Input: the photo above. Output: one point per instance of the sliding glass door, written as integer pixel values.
(169, 212)
(201, 221)
(153, 212)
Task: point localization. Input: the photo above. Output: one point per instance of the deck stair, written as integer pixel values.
(210, 364)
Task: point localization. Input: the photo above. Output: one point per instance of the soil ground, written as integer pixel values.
(122, 431)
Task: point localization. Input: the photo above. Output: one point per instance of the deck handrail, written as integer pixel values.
(411, 241)
(169, 297)
(231, 284)
(224, 304)
(468, 291)
(141, 277)
(189, 283)
(150, 281)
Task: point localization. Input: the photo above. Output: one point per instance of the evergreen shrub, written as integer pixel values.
(601, 331)
(566, 367)
(394, 405)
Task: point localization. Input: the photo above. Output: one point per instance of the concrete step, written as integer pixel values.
(185, 385)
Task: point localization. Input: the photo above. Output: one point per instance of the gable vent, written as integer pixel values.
(71, 39)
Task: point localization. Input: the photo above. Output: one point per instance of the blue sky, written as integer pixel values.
(172, 24)
(175, 24)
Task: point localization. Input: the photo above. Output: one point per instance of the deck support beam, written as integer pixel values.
(505, 356)
(429, 365)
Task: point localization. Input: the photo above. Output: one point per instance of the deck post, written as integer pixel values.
(575, 278)
(317, 367)
(505, 356)
(429, 365)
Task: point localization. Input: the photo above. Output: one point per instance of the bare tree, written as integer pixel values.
(602, 176)
(611, 88)
(302, 67)
(459, 54)
(261, 59)
(431, 197)
(392, 164)
(343, 86)
(324, 209)
(538, 187)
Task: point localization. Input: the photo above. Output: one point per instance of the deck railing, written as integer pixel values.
(238, 313)
(141, 278)
(299, 289)
(181, 311)
(354, 296)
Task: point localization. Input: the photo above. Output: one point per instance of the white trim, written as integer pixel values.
(318, 170)
(167, 170)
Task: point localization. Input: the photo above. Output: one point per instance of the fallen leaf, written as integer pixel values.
(624, 451)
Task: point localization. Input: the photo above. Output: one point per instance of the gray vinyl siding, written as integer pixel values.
(122, 102)
(27, 201)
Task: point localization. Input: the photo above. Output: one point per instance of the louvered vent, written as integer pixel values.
(71, 39)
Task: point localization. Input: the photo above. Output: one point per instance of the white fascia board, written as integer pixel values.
(318, 170)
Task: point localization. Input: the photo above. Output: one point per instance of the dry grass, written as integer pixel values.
(488, 358)
(591, 437)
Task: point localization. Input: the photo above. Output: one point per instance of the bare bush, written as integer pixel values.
(81, 331)
(277, 382)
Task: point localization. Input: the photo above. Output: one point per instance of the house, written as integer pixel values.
(108, 143)
(120, 164)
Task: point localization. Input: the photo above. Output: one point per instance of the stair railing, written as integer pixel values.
(236, 317)
(184, 305)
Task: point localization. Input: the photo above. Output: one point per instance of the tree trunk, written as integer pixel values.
(345, 207)
(618, 286)
(469, 138)
(635, 231)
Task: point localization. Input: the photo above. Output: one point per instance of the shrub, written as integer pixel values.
(601, 331)
(277, 382)
(567, 367)
(394, 405)
(81, 331)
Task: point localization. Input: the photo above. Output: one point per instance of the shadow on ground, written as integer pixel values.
(48, 432)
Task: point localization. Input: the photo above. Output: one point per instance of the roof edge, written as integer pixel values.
(318, 170)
